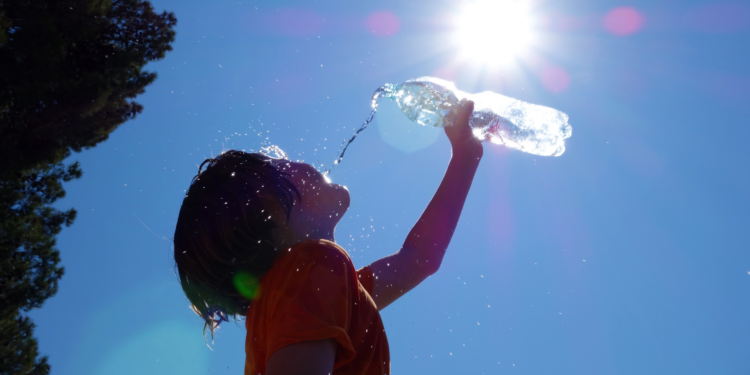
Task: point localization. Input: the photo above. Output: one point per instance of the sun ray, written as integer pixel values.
(491, 32)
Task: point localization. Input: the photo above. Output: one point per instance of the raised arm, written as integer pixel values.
(424, 248)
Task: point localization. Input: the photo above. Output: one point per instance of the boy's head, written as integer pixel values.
(233, 220)
(223, 231)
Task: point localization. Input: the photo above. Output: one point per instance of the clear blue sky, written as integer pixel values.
(629, 254)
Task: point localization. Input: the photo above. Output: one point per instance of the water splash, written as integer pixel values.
(445, 100)
(274, 152)
(345, 145)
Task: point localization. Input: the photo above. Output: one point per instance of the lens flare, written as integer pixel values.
(623, 21)
(383, 23)
(555, 79)
(247, 285)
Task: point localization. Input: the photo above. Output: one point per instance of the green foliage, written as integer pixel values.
(28, 260)
(4, 26)
(69, 71)
(18, 348)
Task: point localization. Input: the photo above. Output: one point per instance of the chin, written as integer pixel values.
(341, 201)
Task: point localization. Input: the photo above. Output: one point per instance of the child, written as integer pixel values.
(254, 238)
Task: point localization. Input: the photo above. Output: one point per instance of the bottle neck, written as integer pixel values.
(389, 90)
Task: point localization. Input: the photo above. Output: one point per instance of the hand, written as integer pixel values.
(462, 139)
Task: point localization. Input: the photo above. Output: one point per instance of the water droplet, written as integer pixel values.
(274, 152)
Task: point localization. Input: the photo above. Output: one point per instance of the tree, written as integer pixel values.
(69, 71)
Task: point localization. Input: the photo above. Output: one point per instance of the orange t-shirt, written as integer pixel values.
(313, 293)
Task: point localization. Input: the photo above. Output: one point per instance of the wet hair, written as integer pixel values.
(222, 240)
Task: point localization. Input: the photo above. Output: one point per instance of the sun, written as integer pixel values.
(494, 31)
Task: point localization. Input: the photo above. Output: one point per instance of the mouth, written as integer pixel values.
(334, 185)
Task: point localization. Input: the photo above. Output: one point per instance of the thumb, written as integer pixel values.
(466, 109)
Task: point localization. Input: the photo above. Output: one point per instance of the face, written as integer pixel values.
(322, 204)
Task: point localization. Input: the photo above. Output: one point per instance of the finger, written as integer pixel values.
(466, 111)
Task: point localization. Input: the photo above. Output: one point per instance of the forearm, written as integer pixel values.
(425, 246)
(429, 238)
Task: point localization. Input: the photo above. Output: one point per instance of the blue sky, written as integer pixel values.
(627, 254)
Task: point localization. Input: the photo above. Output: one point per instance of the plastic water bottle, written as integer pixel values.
(431, 101)
(496, 118)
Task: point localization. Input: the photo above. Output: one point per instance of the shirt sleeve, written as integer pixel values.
(317, 306)
(366, 278)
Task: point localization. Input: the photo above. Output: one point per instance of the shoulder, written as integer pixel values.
(321, 251)
(316, 256)
(309, 268)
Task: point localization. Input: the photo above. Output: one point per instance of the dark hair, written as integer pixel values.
(222, 241)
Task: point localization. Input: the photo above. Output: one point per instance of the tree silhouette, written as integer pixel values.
(69, 71)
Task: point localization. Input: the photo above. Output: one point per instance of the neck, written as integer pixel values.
(288, 236)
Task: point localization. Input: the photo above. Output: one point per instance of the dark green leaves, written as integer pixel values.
(69, 71)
